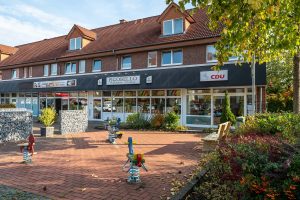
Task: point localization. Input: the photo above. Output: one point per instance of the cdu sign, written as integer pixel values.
(221, 75)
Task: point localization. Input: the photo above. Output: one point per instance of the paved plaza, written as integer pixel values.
(85, 166)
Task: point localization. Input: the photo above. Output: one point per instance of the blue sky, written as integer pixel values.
(24, 21)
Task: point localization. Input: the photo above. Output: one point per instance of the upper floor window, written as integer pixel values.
(70, 68)
(152, 59)
(46, 70)
(75, 43)
(14, 73)
(53, 69)
(211, 54)
(126, 62)
(172, 57)
(30, 72)
(97, 65)
(25, 75)
(173, 26)
(81, 66)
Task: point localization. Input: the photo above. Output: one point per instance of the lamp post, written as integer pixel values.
(253, 83)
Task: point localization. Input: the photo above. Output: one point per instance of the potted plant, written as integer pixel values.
(47, 118)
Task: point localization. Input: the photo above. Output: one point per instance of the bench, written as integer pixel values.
(210, 142)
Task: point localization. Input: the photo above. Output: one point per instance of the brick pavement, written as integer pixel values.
(85, 166)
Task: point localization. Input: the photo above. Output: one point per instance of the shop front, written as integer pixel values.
(196, 93)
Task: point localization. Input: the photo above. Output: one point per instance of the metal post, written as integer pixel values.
(253, 83)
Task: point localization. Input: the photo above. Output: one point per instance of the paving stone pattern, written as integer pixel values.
(15, 124)
(85, 166)
(9, 193)
(73, 121)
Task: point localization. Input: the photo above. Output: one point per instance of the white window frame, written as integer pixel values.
(46, 67)
(75, 39)
(51, 71)
(16, 71)
(149, 58)
(98, 70)
(71, 68)
(122, 67)
(173, 26)
(81, 66)
(172, 50)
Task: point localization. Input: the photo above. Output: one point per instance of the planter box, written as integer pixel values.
(47, 131)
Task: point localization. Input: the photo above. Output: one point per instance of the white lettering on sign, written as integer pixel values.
(221, 75)
(51, 84)
(123, 80)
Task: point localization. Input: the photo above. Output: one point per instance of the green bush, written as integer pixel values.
(227, 114)
(171, 121)
(157, 121)
(137, 121)
(286, 125)
(48, 116)
(9, 105)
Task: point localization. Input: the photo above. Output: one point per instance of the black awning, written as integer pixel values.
(185, 77)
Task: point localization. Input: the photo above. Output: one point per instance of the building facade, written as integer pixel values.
(152, 65)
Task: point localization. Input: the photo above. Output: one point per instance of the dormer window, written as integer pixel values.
(173, 26)
(75, 43)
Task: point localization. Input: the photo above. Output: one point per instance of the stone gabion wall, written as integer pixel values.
(73, 121)
(15, 124)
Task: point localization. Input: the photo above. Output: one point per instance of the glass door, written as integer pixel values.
(97, 109)
(217, 109)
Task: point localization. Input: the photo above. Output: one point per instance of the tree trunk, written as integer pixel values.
(296, 84)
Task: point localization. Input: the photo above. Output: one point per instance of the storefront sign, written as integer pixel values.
(51, 84)
(123, 80)
(149, 79)
(221, 75)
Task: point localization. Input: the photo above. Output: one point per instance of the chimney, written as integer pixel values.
(122, 21)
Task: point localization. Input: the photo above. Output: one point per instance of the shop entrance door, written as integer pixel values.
(57, 105)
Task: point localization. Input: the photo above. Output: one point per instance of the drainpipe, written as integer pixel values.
(253, 83)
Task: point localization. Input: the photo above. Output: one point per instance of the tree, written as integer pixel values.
(227, 114)
(266, 29)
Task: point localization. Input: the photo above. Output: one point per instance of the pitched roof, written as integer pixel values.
(85, 33)
(7, 49)
(174, 5)
(132, 34)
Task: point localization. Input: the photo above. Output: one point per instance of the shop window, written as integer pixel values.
(144, 105)
(144, 93)
(46, 70)
(198, 110)
(82, 94)
(200, 91)
(70, 68)
(97, 109)
(25, 75)
(107, 105)
(158, 105)
(117, 93)
(73, 94)
(174, 105)
(107, 93)
(152, 59)
(130, 93)
(130, 105)
(173, 26)
(97, 94)
(82, 103)
(81, 66)
(172, 57)
(53, 69)
(174, 93)
(158, 93)
(237, 105)
(126, 62)
(73, 104)
(97, 65)
(75, 43)
(30, 72)
(118, 105)
(229, 90)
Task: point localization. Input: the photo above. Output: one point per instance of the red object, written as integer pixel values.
(31, 141)
(139, 160)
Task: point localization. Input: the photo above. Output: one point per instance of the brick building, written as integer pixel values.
(152, 65)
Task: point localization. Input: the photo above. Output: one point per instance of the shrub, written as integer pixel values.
(48, 116)
(171, 121)
(9, 105)
(157, 121)
(227, 114)
(137, 121)
(286, 125)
